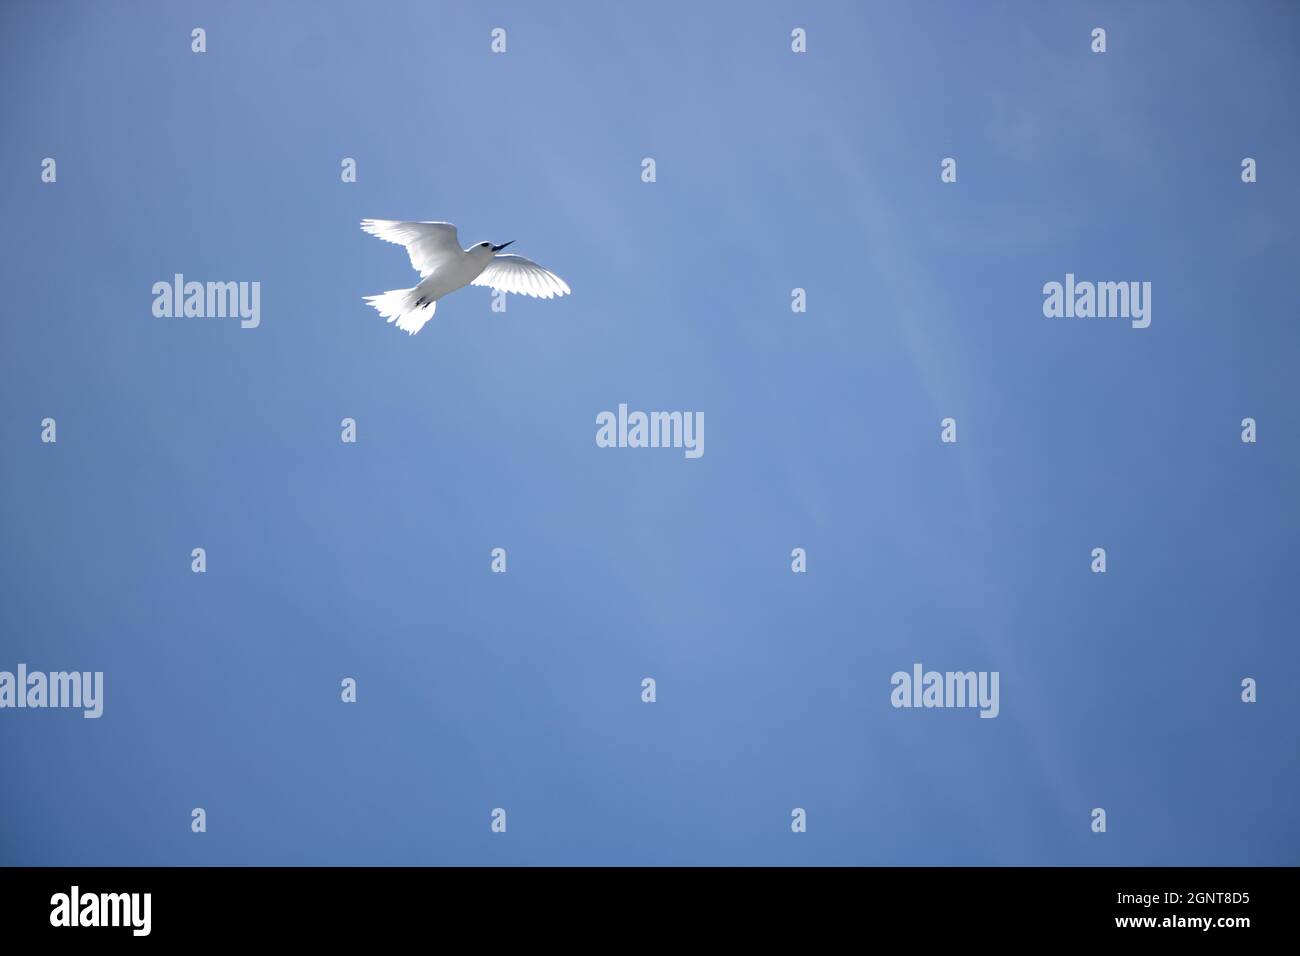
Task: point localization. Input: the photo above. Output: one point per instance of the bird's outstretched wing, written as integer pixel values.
(429, 244)
(511, 273)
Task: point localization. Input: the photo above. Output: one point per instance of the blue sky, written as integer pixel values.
(522, 690)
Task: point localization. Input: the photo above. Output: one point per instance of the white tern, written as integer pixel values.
(445, 267)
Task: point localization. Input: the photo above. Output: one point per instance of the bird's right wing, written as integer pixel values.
(429, 244)
(511, 273)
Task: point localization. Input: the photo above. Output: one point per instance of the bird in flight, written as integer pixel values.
(445, 267)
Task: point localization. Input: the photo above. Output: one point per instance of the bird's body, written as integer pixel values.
(445, 267)
(456, 273)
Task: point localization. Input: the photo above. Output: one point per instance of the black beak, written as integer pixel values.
(502, 246)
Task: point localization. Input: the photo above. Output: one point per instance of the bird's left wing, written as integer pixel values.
(511, 273)
(429, 244)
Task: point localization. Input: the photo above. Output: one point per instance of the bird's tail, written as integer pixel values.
(405, 307)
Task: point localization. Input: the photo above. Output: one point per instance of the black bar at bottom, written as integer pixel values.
(335, 905)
